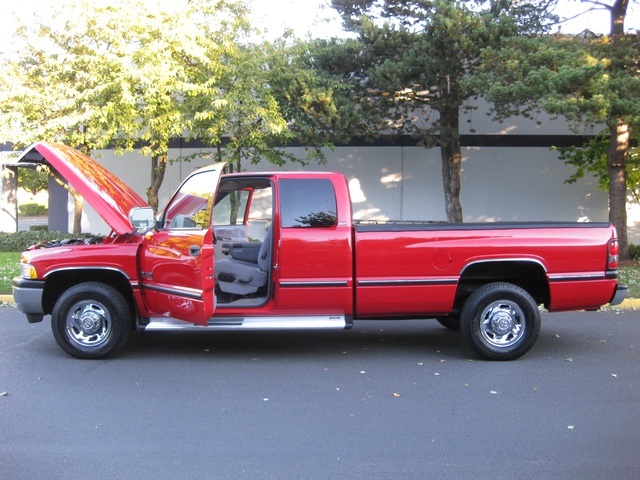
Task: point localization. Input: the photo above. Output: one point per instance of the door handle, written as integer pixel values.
(194, 250)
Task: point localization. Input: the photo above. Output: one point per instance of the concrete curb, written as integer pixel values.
(627, 304)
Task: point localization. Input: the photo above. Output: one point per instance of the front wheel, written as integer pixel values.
(91, 320)
(500, 321)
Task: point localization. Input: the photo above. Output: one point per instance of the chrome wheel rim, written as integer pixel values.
(502, 324)
(88, 324)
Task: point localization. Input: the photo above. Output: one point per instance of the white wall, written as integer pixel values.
(404, 183)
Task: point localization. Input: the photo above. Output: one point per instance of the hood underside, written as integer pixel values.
(109, 196)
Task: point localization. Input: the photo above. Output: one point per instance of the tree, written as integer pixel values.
(267, 99)
(104, 77)
(587, 79)
(33, 180)
(619, 88)
(186, 55)
(423, 55)
(187, 68)
(238, 115)
(340, 67)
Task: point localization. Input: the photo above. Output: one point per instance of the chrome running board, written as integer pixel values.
(309, 322)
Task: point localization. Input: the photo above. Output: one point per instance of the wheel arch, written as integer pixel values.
(528, 274)
(57, 282)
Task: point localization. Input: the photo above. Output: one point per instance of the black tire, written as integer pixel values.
(91, 320)
(451, 323)
(500, 321)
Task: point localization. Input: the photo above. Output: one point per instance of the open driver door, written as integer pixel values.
(176, 262)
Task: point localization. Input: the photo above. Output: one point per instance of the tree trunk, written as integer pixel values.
(451, 157)
(158, 168)
(618, 149)
(617, 167)
(618, 13)
(9, 200)
(78, 203)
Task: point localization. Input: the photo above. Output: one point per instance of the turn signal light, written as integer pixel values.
(28, 271)
(613, 255)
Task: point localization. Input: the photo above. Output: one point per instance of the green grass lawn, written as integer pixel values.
(9, 268)
(630, 276)
(10, 261)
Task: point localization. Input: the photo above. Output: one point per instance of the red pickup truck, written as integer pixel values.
(281, 251)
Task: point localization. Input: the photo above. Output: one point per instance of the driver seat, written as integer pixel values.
(240, 277)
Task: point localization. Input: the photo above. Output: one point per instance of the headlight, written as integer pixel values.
(28, 271)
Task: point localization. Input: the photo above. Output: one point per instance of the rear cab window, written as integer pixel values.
(307, 203)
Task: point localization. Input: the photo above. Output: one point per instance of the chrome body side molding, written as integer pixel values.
(302, 322)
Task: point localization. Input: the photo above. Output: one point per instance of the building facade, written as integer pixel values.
(509, 173)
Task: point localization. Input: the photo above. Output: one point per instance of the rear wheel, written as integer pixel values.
(91, 320)
(500, 321)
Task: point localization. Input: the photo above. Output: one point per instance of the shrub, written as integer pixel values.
(634, 251)
(32, 209)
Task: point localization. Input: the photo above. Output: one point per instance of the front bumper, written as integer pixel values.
(619, 295)
(27, 294)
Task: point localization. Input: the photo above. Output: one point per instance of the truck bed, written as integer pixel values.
(432, 267)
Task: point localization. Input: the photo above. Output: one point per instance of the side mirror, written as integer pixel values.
(142, 218)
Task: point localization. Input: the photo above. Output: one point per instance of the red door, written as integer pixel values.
(176, 263)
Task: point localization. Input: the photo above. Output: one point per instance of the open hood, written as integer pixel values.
(111, 198)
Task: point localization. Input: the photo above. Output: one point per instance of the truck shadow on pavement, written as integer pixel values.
(365, 338)
(393, 338)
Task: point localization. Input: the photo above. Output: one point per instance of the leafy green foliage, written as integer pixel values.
(268, 98)
(586, 79)
(340, 66)
(33, 181)
(592, 158)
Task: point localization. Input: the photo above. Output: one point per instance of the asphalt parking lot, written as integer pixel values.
(399, 400)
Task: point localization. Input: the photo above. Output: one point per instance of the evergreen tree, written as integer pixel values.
(420, 58)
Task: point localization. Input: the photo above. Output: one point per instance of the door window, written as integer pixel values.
(189, 208)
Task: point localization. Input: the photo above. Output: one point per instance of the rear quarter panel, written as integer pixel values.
(417, 271)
